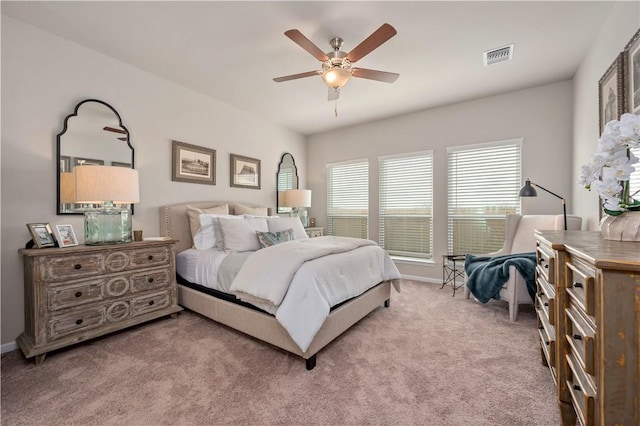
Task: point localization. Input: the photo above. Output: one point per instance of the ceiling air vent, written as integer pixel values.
(500, 54)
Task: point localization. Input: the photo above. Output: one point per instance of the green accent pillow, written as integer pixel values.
(268, 239)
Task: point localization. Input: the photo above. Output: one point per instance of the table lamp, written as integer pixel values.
(297, 199)
(113, 188)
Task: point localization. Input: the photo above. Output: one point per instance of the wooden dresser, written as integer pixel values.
(314, 232)
(78, 293)
(588, 306)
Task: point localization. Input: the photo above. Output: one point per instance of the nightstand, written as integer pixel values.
(315, 232)
(78, 293)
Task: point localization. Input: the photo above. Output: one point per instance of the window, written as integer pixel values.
(348, 199)
(634, 180)
(484, 181)
(406, 201)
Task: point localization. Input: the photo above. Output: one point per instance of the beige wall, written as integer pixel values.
(615, 33)
(44, 77)
(542, 116)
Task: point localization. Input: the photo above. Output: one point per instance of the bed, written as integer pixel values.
(265, 322)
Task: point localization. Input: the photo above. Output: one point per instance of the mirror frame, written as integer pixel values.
(293, 160)
(64, 130)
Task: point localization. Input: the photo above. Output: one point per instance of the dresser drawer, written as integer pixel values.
(545, 299)
(581, 287)
(152, 280)
(581, 338)
(61, 326)
(583, 392)
(63, 268)
(75, 295)
(547, 335)
(149, 303)
(59, 268)
(152, 256)
(546, 264)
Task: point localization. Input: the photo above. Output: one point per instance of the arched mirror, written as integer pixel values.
(92, 134)
(287, 178)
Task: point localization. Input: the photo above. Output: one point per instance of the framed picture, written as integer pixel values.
(119, 164)
(65, 236)
(611, 93)
(632, 74)
(245, 172)
(87, 162)
(41, 234)
(193, 164)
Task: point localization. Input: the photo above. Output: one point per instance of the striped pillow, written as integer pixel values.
(268, 239)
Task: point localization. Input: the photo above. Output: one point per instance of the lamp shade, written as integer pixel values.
(97, 184)
(67, 188)
(336, 77)
(528, 190)
(297, 198)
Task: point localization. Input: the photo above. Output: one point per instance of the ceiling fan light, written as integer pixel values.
(336, 77)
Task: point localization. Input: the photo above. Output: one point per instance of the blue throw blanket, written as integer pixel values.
(486, 275)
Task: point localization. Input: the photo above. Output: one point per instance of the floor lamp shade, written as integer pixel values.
(113, 188)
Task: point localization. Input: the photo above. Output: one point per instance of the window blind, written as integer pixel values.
(634, 180)
(406, 205)
(484, 181)
(348, 199)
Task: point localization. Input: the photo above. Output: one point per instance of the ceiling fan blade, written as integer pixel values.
(333, 94)
(387, 77)
(379, 36)
(306, 44)
(295, 76)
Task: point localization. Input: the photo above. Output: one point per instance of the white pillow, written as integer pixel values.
(240, 235)
(279, 224)
(209, 234)
(243, 209)
(194, 216)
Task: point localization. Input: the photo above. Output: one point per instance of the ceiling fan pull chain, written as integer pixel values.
(335, 109)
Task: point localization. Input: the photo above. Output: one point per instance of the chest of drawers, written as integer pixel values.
(588, 306)
(78, 293)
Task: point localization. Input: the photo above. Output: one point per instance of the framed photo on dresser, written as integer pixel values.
(41, 234)
(65, 236)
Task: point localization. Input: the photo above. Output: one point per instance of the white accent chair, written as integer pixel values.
(519, 237)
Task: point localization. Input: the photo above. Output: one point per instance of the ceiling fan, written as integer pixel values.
(337, 66)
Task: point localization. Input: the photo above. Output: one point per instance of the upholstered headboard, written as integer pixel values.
(174, 221)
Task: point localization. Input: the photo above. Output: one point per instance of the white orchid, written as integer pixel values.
(612, 164)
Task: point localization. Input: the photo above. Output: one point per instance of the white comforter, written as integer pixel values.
(300, 280)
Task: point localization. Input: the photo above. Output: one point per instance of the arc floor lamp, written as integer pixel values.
(528, 190)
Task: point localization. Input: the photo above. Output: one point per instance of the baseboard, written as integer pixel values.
(8, 347)
(422, 279)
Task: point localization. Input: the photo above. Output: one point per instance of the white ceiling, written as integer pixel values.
(232, 50)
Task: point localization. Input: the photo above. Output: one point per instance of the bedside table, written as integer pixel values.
(314, 232)
(77, 293)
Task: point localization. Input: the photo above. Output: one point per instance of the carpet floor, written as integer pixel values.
(428, 359)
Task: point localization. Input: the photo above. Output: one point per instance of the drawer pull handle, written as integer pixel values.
(577, 387)
(542, 260)
(577, 285)
(546, 342)
(150, 302)
(79, 321)
(77, 266)
(577, 337)
(546, 303)
(150, 257)
(150, 280)
(78, 293)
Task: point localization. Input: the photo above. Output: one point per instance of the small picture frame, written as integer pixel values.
(245, 172)
(65, 236)
(193, 164)
(632, 74)
(611, 92)
(41, 234)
